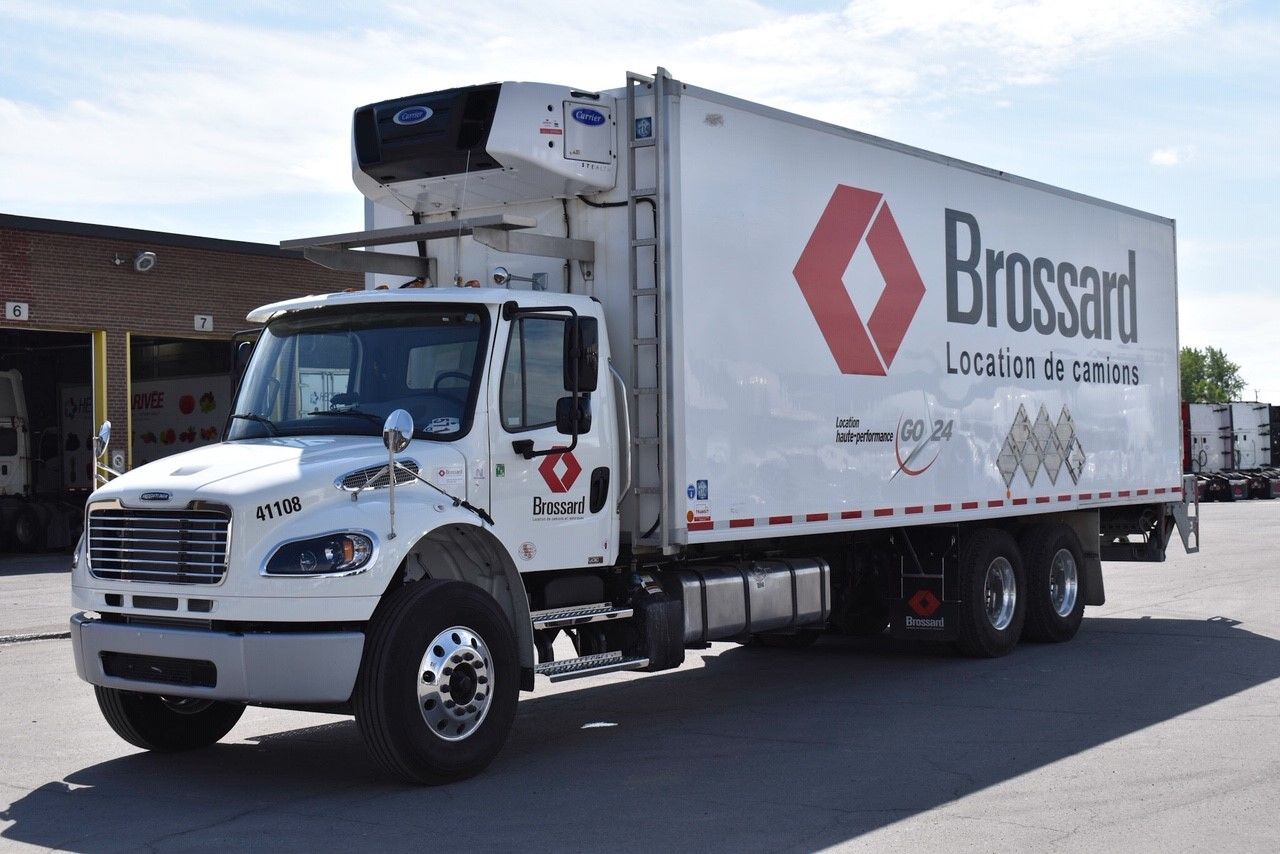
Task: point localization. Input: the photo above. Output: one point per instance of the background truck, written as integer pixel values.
(38, 508)
(743, 375)
(1229, 450)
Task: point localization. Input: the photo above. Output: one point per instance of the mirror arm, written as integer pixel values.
(525, 448)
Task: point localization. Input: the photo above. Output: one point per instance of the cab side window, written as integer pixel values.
(533, 376)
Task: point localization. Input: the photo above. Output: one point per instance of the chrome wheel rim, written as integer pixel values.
(455, 683)
(1064, 582)
(1000, 593)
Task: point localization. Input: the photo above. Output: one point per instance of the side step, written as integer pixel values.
(578, 615)
(589, 665)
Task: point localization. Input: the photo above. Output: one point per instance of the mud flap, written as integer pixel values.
(922, 613)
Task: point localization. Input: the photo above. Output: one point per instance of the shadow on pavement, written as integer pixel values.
(763, 748)
(35, 564)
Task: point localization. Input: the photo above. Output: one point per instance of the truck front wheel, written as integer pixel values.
(166, 724)
(1055, 600)
(439, 684)
(993, 584)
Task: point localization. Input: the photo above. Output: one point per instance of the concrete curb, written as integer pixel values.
(33, 636)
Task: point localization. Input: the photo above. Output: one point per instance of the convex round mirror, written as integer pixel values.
(397, 431)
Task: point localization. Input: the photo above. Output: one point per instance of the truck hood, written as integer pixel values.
(246, 467)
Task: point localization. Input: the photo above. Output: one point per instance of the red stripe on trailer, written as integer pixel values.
(742, 523)
(1160, 490)
(780, 520)
(700, 526)
(943, 508)
(1175, 489)
(850, 514)
(1043, 499)
(1104, 494)
(1124, 493)
(1143, 491)
(1064, 497)
(995, 503)
(817, 517)
(1085, 496)
(884, 511)
(969, 505)
(1018, 502)
(916, 509)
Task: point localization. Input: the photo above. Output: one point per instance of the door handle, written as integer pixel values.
(599, 488)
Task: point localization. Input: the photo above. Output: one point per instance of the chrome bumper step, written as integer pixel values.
(578, 615)
(589, 665)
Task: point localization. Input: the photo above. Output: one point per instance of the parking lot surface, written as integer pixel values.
(1156, 729)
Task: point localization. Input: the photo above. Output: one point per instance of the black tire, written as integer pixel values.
(392, 722)
(1055, 579)
(166, 725)
(799, 639)
(980, 635)
(26, 531)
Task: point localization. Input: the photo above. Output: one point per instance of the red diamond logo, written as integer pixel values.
(853, 216)
(924, 603)
(560, 471)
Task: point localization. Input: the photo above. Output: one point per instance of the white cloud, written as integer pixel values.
(172, 110)
(1169, 156)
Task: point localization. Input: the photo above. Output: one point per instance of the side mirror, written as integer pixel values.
(571, 420)
(103, 439)
(581, 354)
(243, 351)
(397, 431)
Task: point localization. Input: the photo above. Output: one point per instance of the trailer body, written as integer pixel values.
(744, 376)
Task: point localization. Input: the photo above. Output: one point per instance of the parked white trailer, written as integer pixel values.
(1250, 433)
(1210, 433)
(744, 375)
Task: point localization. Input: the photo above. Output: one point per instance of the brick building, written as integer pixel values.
(86, 311)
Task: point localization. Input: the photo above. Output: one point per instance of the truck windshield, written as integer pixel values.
(341, 371)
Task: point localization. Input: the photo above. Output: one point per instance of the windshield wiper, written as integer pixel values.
(358, 413)
(260, 419)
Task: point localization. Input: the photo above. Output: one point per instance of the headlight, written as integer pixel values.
(333, 553)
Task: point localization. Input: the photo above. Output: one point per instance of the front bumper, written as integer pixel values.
(302, 668)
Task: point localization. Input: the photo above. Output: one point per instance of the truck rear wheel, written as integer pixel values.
(26, 533)
(166, 724)
(439, 684)
(1055, 601)
(992, 584)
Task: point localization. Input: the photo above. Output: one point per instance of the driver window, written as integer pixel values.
(533, 377)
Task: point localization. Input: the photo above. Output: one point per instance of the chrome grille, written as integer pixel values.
(375, 477)
(177, 546)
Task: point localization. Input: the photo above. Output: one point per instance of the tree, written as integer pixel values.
(1208, 376)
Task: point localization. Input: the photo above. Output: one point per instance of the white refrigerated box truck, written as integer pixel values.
(652, 368)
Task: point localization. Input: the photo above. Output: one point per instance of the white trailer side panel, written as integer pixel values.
(814, 394)
(1211, 440)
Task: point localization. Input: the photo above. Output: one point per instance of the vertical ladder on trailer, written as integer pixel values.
(647, 274)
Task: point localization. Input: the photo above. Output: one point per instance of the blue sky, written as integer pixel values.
(231, 119)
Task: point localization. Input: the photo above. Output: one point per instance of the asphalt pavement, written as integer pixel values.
(1156, 729)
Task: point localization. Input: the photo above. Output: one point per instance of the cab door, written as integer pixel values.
(553, 510)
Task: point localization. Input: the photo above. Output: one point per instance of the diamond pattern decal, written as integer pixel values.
(1042, 443)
